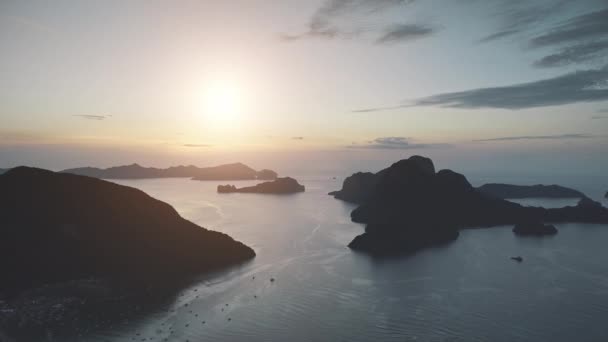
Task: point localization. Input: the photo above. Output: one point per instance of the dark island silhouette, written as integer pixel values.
(409, 206)
(3, 171)
(235, 171)
(57, 226)
(534, 229)
(286, 185)
(606, 195)
(508, 191)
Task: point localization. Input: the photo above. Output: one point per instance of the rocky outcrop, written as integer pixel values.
(534, 229)
(356, 188)
(286, 185)
(236, 171)
(506, 191)
(392, 239)
(266, 174)
(226, 189)
(412, 206)
(58, 226)
(585, 211)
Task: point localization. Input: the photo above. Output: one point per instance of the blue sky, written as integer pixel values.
(104, 82)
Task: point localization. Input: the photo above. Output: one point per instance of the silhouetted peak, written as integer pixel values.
(27, 171)
(232, 171)
(586, 202)
(419, 163)
(60, 226)
(449, 180)
(406, 177)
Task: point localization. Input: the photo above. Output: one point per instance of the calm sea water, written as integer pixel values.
(469, 290)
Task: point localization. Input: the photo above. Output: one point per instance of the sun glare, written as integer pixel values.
(222, 103)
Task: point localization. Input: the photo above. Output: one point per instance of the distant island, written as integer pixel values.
(286, 185)
(506, 191)
(409, 206)
(57, 227)
(606, 195)
(235, 171)
(534, 229)
(3, 171)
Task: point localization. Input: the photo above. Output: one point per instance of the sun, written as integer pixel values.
(222, 103)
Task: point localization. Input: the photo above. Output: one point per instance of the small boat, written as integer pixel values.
(517, 258)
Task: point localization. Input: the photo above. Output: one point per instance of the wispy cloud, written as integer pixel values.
(580, 38)
(579, 86)
(498, 35)
(404, 32)
(380, 109)
(196, 145)
(393, 143)
(297, 138)
(346, 19)
(576, 29)
(93, 117)
(541, 137)
(517, 16)
(578, 53)
(599, 117)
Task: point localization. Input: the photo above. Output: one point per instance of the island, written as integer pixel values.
(235, 171)
(534, 229)
(285, 185)
(267, 174)
(58, 227)
(3, 171)
(357, 187)
(508, 191)
(409, 206)
(606, 195)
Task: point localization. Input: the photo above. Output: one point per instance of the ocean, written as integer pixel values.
(469, 290)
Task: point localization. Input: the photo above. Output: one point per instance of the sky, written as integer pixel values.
(491, 83)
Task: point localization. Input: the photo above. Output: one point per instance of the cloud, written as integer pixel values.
(599, 117)
(347, 19)
(574, 87)
(404, 32)
(196, 145)
(297, 138)
(518, 16)
(578, 53)
(540, 137)
(93, 117)
(379, 109)
(589, 25)
(393, 143)
(582, 38)
(498, 35)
